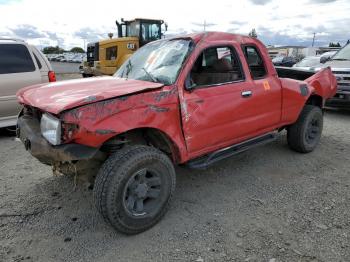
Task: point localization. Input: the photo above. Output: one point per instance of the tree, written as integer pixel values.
(331, 44)
(253, 33)
(77, 50)
(53, 50)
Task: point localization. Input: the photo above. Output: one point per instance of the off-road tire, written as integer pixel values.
(298, 134)
(112, 181)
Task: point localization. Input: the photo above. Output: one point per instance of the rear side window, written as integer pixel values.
(15, 58)
(37, 61)
(255, 62)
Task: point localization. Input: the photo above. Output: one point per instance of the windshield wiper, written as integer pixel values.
(154, 79)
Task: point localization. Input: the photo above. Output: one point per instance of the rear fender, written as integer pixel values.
(296, 94)
(323, 83)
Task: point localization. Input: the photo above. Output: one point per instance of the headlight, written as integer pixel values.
(51, 129)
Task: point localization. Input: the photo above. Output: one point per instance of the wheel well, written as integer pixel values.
(144, 136)
(315, 100)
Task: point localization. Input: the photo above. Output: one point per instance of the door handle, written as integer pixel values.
(246, 93)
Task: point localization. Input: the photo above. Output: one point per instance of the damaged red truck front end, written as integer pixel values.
(189, 100)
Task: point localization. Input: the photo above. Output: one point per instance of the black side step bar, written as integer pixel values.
(207, 160)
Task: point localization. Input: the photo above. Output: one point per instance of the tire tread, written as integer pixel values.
(113, 169)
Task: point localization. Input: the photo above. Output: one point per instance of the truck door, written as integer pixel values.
(265, 94)
(219, 101)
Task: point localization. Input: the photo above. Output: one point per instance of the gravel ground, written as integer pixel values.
(267, 204)
(67, 76)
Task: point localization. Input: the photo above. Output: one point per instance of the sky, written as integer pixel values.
(70, 23)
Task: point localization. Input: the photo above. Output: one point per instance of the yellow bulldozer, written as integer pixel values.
(106, 56)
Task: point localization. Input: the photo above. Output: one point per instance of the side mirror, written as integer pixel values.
(324, 59)
(189, 84)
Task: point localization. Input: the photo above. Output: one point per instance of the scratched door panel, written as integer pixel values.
(215, 115)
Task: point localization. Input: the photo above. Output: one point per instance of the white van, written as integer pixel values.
(21, 65)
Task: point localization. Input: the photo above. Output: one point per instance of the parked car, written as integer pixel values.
(57, 57)
(286, 61)
(20, 65)
(327, 56)
(308, 62)
(174, 101)
(340, 65)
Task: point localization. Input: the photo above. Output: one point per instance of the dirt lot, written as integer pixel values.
(65, 67)
(66, 71)
(267, 204)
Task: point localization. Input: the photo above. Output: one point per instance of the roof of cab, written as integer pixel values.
(217, 36)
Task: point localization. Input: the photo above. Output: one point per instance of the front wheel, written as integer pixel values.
(134, 187)
(304, 135)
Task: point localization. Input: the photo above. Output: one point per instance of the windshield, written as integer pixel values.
(343, 54)
(158, 61)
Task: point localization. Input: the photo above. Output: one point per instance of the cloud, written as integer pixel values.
(90, 34)
(202, 24)
(260, 2)
(303, 35)
(54, 37)
(6, 2)
(236, 22)
(293, 21)
(27, 32)
(322, 1)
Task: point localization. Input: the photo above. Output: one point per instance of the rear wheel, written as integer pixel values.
(134, 187)
(304, 135)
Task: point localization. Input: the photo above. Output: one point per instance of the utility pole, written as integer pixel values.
(313, 40)
(204, 24)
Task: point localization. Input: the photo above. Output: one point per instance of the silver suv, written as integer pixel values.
(20, 65)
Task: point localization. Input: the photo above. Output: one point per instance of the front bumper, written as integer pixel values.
(341, 99)
(28, 130)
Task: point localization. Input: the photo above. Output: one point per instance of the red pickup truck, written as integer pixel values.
(190, 100)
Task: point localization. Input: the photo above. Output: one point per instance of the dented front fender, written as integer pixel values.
(98, 122)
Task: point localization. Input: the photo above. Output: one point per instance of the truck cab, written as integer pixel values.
(106, 56)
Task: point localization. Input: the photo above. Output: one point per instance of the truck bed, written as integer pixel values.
(290, 72)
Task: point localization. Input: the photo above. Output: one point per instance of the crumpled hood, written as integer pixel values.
(59, 96)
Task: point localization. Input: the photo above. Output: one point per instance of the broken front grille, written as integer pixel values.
(33, 112)
(343, 79)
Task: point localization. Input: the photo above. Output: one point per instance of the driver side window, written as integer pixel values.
(214, 66)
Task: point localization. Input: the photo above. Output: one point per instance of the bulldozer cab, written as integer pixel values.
(106, 56)
(146, 30)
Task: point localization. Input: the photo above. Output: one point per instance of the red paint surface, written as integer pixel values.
(197, 122)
